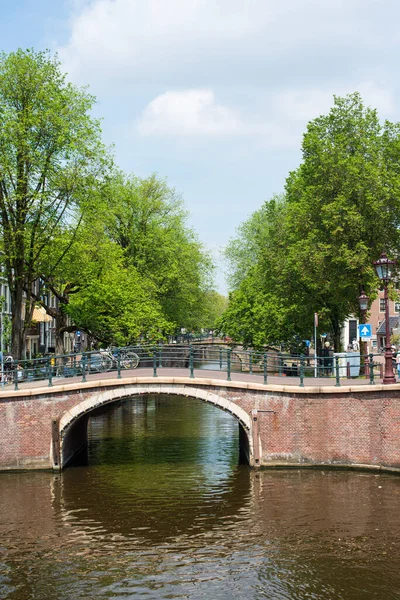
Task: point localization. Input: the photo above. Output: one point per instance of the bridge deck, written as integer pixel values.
(219, 377)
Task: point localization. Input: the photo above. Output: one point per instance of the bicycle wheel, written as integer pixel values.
(129, 360)
(99, 363)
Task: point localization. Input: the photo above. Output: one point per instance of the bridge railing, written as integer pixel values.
(196, 360)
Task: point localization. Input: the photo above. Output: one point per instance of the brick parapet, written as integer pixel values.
(346, 426)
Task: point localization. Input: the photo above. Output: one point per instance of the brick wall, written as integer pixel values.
(295, 427)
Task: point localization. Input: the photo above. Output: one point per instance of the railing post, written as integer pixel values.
(160, 356)
(251, 362)
(155, 362)
(279, 364)
(50, 372)
(119, 363)
(228, 364)
(83, 363)
(302, 370)
(371, 369)
(265, 367)
(191, 361)
(337, 371)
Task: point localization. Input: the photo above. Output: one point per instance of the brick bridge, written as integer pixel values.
(279, 425)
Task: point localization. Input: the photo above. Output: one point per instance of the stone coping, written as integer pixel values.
(199, 381)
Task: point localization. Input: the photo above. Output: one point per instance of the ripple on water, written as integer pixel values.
(163, 510)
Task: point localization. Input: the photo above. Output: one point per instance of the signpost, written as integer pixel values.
(365, 331)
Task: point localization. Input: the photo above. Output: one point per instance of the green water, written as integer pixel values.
(162, 509)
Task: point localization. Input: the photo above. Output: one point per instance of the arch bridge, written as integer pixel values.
(279, 425)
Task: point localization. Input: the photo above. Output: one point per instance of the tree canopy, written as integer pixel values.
(50, 156)
(314, 251)
(114, 249)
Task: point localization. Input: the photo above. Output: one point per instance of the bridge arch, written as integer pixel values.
(73, 423)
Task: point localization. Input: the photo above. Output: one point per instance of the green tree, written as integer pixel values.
(312, 250)
(268, 305)
(343, 206)
(50, 157)
(103, 295)
(148, 220)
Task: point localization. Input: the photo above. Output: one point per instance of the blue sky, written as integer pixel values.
(215, 94)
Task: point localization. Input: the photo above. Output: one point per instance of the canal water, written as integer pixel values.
(161, 508)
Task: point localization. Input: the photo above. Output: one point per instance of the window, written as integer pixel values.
(397, 307)
(352, 330)
(381, 304)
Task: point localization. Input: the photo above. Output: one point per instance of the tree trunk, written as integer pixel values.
(336, 330)
(61, 324)
(17, 331)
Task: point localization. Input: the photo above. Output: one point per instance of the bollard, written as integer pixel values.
(371, 369)
(381, 371)
(348, 370)
(155, 362)
(119, 363)
(337, 371)
(220, 359)
(50, 372)
(279, 364)
(191, 362)
(302, 370)
(251, 363)
(228, 364)
(366, 366)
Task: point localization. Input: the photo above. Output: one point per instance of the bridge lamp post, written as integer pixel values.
(384, 269)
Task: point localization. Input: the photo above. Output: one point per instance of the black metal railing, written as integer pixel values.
(193, 360)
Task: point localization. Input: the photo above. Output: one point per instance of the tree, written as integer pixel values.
(312, 251)
(94, 286)
(344, 206)
(268, 305)
(148, 221)
(50, 156)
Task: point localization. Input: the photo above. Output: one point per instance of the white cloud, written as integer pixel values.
(306, 104)
(189, 113)
(195, 113)
(138, 40)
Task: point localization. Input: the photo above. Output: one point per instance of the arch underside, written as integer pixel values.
(76, 418)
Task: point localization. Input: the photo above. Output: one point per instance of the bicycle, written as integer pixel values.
(106, 360)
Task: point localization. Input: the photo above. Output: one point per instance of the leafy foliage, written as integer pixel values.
(50, 155)
(313, 250)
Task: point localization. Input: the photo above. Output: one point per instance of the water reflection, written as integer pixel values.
(163, 510)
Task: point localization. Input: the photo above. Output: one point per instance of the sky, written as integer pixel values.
(215, 95)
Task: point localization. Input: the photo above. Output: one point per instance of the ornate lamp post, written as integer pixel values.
(384, 270)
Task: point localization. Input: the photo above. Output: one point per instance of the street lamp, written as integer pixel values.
(384, 270)
(363, 303)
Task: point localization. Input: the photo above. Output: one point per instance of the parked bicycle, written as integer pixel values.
(106, 360)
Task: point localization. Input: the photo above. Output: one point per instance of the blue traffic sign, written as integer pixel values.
(365, 330)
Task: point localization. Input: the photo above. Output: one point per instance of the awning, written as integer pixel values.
(40, 315)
